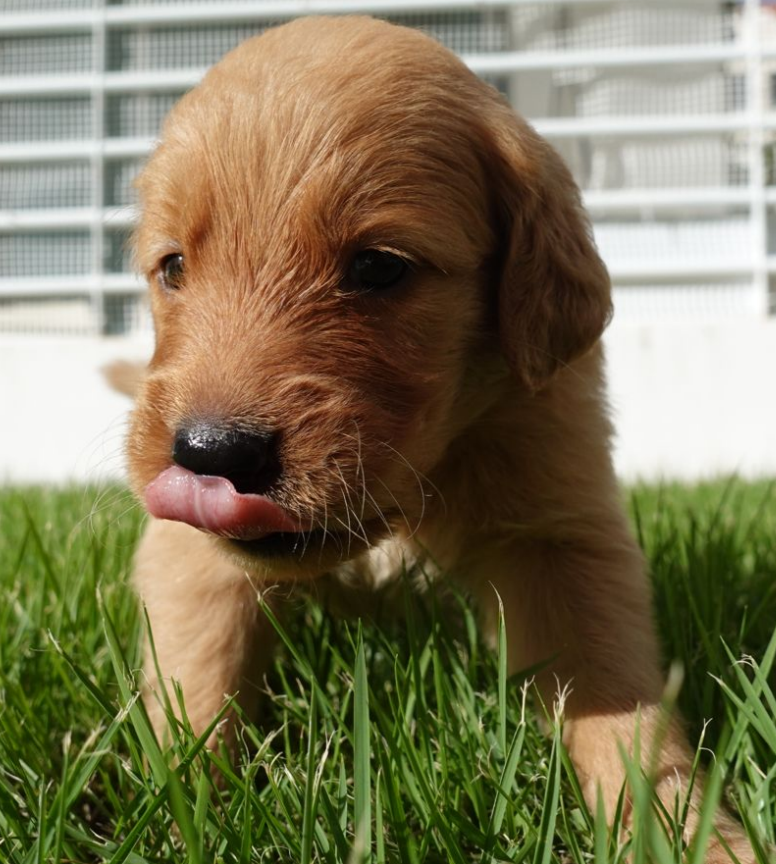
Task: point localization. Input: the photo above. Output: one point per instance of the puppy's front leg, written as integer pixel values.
(585, 602)
(209, 632)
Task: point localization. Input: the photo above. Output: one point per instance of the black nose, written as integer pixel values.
(249, 459)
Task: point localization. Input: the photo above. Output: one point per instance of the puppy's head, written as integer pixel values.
(341, 224)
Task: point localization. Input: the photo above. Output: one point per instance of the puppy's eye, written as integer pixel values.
(171, 271)
(373, 269)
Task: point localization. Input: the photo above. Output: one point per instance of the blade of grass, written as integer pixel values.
(181, 810)
(362, 781)
(137, 715)
(546, 832)
(504, 792)
(502, 678)
(308, 815)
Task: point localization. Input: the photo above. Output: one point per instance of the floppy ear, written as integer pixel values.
(554, 291)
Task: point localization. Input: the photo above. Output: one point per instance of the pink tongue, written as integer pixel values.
(213, 504)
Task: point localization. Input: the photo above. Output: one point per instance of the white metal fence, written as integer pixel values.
(666, 112)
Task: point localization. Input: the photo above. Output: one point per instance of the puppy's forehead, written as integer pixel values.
(352, 122)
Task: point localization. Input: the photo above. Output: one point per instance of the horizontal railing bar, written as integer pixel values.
(72, 21)
(247, 10)
(65, 218)
(158, 80)
(597, 201)
(666, 199)
(551, 127)
(637, 271)
(483, 64)
(633, 271)
(519, 61)
(649, 125)
(70, 286)
(68, 151)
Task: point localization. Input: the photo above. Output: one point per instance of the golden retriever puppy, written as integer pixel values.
(378, 309)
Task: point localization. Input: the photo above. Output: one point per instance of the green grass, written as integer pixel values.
(382, 742)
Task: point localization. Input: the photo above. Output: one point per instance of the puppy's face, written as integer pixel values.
(320, 236)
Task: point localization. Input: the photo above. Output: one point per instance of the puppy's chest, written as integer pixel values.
(376, 579)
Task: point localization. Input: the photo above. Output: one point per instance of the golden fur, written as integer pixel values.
(463, 413)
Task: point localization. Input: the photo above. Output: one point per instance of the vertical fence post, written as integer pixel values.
(99, 60)
(756, 155)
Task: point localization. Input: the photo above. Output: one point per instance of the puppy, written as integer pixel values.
(378, 308)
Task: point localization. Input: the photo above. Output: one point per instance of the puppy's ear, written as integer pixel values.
(554, 292)
(124, 376)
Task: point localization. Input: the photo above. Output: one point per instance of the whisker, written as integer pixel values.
(326, 533)
(345, 501)
(420, 477)
(359, 520)
(402, 512)
(351, 533)
(104, 501)
(349, 511)
(361, 470)
(379, 511)
(422, 480)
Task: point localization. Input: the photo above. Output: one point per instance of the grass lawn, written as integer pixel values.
(390, 742)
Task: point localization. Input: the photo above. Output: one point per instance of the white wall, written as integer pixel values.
(59, 420)
(694, 400)
(689, 400)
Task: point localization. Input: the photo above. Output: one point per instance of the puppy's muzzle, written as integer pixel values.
(218, 483)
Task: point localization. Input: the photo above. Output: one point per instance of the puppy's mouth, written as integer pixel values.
(212, 504)
(250, 524)
(287, 544)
